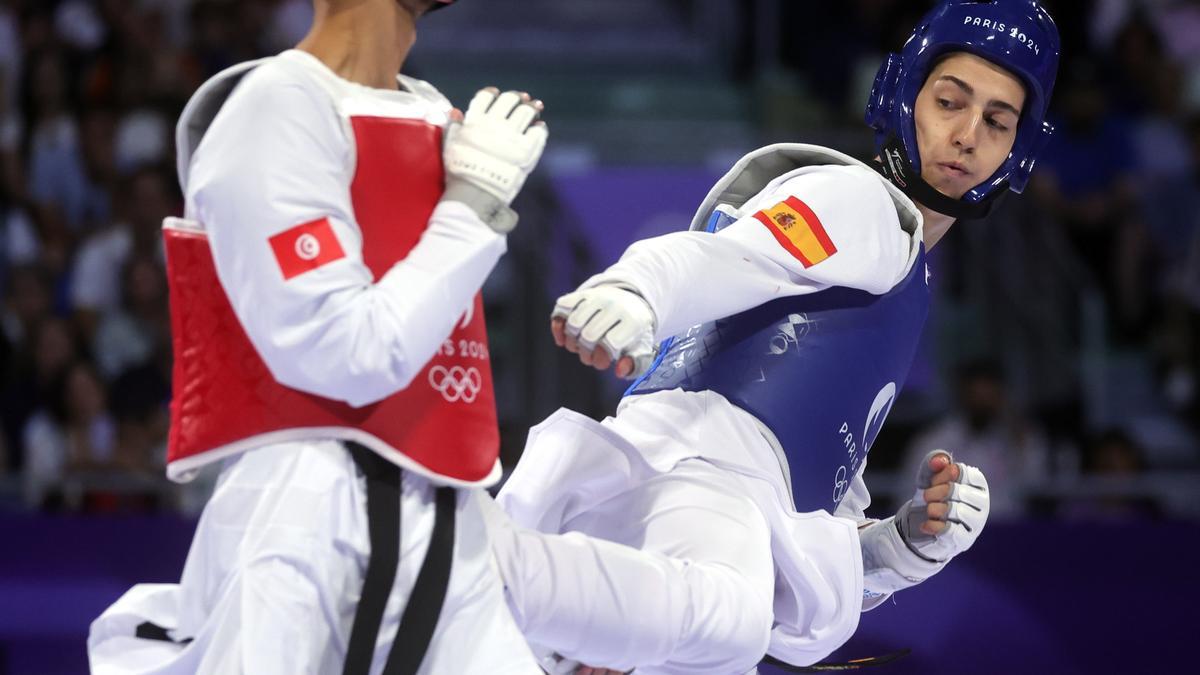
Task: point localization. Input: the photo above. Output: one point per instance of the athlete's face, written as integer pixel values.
(966, 119)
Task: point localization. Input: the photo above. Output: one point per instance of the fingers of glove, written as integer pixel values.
(482, 102)
(956, 513)
(571, 343)
(580, 318)
(938, 510)
(976, 498)
(633, 362)
(934, 528)
(583, 313)
(958, 538)
(524, 115)
(969, 475)
(949, 474)
(931, 467)
(558, 330)
(593, 335)
(601, 358)
(629, 333)
(535, 142)
(566, 304)
(587, 355)
(940, 493)
(505, 104)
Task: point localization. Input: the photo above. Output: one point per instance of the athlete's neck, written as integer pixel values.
(365, 41)
(936, 225)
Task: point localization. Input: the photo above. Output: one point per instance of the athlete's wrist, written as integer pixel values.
(494, 212)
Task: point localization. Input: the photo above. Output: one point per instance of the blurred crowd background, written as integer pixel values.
(1063, 355)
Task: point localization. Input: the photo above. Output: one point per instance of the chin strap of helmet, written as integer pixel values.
(896, 167)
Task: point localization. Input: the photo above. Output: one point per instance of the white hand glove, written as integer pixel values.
(613, 317)
(492, 150)
(898, 555)
(969, 505)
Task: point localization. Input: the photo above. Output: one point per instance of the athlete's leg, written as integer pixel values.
(674, 575)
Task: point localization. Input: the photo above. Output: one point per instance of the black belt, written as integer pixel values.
(424, 605)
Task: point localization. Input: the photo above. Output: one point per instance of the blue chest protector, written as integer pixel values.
(821, 371)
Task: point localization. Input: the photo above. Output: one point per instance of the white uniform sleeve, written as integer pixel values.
(278, 156)
(693, 277)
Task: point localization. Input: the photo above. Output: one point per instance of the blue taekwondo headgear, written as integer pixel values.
(1017, 35)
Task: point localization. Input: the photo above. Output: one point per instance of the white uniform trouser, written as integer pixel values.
(696, 597)
(274, 574)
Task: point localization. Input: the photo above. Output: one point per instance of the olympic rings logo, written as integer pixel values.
(307, 247)
(840, 483)
(456, 383)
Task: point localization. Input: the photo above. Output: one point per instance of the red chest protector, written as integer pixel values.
(226, 401)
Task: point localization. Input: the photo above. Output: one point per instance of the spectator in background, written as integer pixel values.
(986, 432)
(1181, 338)
(39, 348)
(1112, 454)
(1166, 171)
(1169, 186)
(1135, 54)
(18, 239)
(147, 196)
(139, 406)
(57, 181)
(11, 58)
(137, 333)
(1085, 182)
(73, 432)
(214, 39)
(98, 129)
(10, 51)
(27, 301)
(148, 73)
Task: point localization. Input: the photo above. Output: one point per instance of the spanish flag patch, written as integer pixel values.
(798, 230)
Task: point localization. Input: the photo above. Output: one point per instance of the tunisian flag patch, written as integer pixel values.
(306, 247)
(798, 230)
